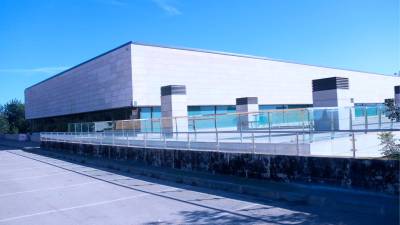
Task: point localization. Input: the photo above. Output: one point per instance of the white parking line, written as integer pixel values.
(48, 189)
(247, 207)
(34, 177)
(23, 169)
(236, 210)
(76, 207)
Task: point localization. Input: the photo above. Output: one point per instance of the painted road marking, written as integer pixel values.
(23, 169)
(75, 207)
(35, 177)
(48, 189)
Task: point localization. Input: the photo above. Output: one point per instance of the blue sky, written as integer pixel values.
(41, 38)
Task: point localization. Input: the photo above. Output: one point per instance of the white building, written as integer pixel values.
(125, 83)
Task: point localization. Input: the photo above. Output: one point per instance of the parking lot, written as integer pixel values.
(35, 189)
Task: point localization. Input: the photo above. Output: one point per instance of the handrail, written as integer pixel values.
(305, 117)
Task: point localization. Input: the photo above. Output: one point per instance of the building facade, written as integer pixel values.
(125, 83)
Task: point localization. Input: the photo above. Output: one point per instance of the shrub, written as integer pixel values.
(390, 147)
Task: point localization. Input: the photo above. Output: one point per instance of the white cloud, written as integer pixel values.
(39, 70)
(167, 7)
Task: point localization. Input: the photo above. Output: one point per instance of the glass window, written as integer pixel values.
(156, 112)
(267, 107)
(145, 113)
(201, 110)
(226, 120)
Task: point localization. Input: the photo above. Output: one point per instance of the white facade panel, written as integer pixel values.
(99, 84)
(131, 75)
(218, 79)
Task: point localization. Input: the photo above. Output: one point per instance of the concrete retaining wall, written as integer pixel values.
(15, 137)
(367, 174)
(34, 137)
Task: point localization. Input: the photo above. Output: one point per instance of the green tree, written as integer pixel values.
(392, 111)
(14, 113)
(4, 127)
(390, 148)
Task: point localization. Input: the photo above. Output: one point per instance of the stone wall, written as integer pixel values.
(364, 174)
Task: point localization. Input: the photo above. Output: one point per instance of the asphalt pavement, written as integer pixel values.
(35, 189)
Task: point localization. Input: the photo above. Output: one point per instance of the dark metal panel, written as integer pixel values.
(246, 100)
(330, 83)
(173, 90)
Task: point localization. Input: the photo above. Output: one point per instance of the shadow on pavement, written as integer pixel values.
(264, 210)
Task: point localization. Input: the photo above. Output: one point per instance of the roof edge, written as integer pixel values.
(205, 51)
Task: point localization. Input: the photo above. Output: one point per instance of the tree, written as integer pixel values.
(4, 127)
(392, 111)
(390, 148)
(14, 113)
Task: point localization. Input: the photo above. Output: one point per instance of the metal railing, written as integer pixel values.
(357, 118)
(311, 131)
(261, 142)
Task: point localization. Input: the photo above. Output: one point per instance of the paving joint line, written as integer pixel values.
(148, 192)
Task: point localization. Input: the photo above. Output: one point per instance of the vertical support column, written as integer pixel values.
(174, 109)
(397, 95)
(331, 92)
(244, 106)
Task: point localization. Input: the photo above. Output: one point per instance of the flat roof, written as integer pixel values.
(201, 50)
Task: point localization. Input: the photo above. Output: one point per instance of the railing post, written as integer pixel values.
(217, 139)
(188, 140)
(269, 126)
(379, 118)
(127, 139)
(145, 139)
(310, 126)
(303, 124)
(194, 129)
(366, 119)
(350, 119)
(353, 141)
(239, 124)
(113, 138)
(332, 126)
(297, 143)
(176, 128)
(165, 141)
(215, 121)
(134, 128)
(253, 142)
(122, 127)
(160, 128)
